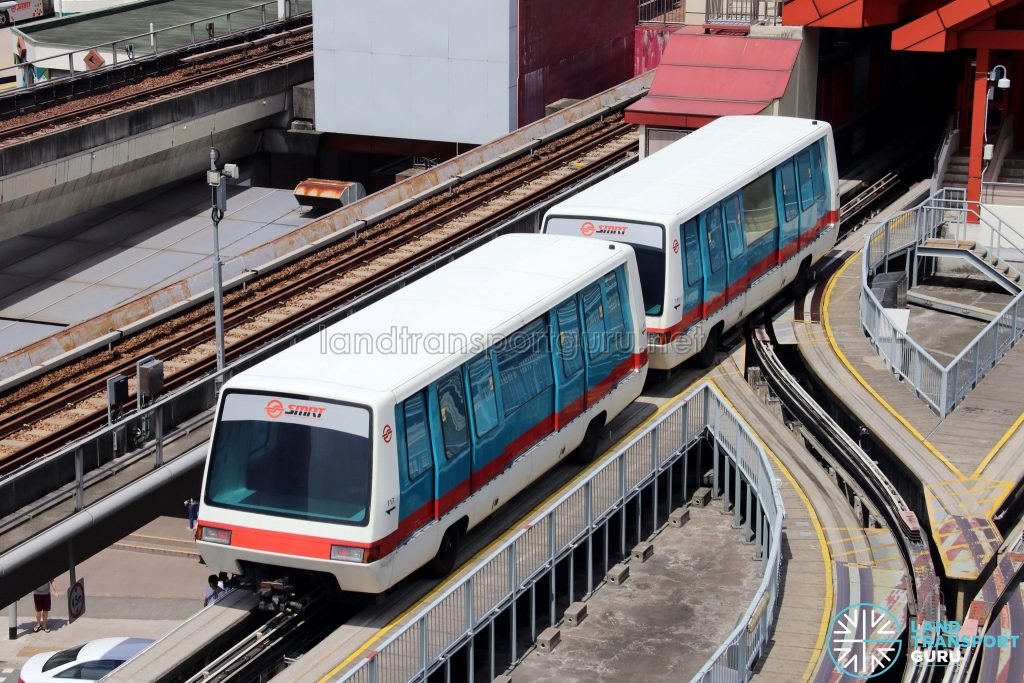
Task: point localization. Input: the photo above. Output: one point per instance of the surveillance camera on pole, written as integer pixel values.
(217, 180)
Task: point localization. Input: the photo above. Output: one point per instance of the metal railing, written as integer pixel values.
(665, 12)
(155, 42)
(950, 143)
(744, 12)
(467, 607)
(945, 214)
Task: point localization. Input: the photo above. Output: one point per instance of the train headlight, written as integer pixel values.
(345, 553)
(215, 535)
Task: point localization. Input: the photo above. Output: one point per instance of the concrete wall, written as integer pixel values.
(51, 177)
(800, 98)
(440, 71)
(572, 48)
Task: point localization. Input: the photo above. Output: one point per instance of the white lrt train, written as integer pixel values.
(720, 220)
(366, 452)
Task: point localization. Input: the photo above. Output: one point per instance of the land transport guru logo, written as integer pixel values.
(864, 641)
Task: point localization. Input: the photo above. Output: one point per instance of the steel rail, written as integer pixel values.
(399, 237)
(44, 123)
(925, 603)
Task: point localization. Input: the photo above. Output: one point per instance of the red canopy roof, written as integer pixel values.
(704, 76)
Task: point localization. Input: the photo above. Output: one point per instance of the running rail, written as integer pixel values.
(449, 621)
(926, 603)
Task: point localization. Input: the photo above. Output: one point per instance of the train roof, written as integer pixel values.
(695, 171)
(484, 295)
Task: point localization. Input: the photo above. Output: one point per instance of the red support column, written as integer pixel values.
(978, 116)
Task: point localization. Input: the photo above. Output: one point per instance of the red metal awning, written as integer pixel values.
(704, 76)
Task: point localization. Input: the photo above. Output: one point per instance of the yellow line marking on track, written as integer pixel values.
(999, 444)
(826, 557)
(842, 358)
(512, 530)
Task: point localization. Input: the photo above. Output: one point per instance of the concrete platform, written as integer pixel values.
(967, 463)
(128, 593)
(82, 267)
(663, 622)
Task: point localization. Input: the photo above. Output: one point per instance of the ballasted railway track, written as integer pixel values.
(60, 412)
(290, 45)
(925, 603)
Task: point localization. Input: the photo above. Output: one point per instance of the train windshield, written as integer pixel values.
(647, 240)
(292, 457)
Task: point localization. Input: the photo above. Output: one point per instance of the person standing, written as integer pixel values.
(213, 590)
(41, 598)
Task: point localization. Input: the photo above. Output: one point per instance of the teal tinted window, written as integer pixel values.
(818, 170)
(451, 400)
(787, 179)
(734, 226)
(691, 252)
(418, 454)
(481, 388)
(568, 319)
(716, 246)
(593, 316)
(524, 364)
(806, 176)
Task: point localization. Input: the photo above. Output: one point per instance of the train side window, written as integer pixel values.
(613, 320)
(451, 399)
(481, 389)
(524, 364)
(593, 316)
(818, 169)
(759, 215)
(716, 250)
(567, 316)
(787, 175)
(691, 251)
(734, 226)
(417, 436)
(806, 175)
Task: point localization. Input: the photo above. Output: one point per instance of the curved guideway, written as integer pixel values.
(835, 562)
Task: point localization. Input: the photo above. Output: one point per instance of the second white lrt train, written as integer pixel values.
(366, 452)
(720, 221)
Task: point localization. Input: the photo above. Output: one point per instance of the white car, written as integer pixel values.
(89, 662)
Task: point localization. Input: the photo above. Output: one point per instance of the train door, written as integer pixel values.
(451, 442)
(714, 258)
(808, 208)
(569, 386)
(606, 326)
(693, 274)
(415, 462)
(487, 445)
(789, 208)
(736, 247)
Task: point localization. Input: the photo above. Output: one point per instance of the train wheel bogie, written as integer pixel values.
(586, 452)
(447, 553)
(706, 357)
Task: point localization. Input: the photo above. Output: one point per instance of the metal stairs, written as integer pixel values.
(978, 256)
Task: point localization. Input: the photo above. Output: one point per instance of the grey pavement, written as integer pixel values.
(84, 266)
(668, 617)
(128, 593)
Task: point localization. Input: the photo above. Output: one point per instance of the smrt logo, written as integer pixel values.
(276, 409)
(587, 229)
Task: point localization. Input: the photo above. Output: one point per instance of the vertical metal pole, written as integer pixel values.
(670, 496)
(654, 468)
(588, 502)
(686, 474)
(218, 301)
(622, 498)
(725, 484)
(79, 481)
(113, 51)
(12, 621)
(192, 28)
(738, 495)
(423, 643)
(71, 563)
(758, 529)
(159, 426)
(229, 22)
(551, 555)
(533, 612)
(491, 655)
(572, 579)
(513, 586)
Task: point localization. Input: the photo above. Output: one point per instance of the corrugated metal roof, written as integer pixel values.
(704, 76)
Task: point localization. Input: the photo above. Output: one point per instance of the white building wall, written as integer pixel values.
(441, 70)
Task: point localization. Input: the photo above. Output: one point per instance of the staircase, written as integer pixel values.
(991, 265)
(1010, 189)
(956, 172)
